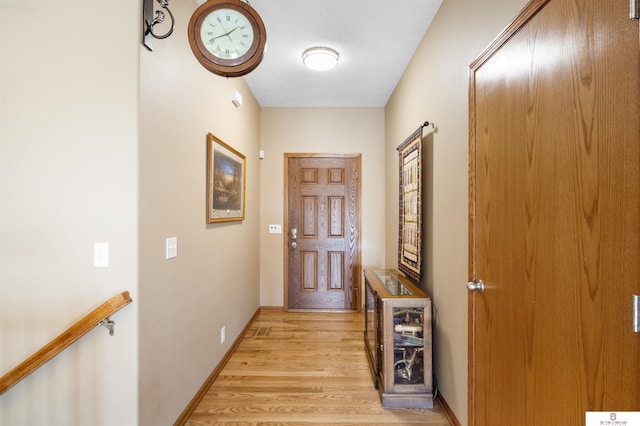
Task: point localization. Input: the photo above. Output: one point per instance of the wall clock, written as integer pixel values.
(227, 37)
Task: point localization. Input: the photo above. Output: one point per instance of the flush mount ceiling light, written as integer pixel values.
(320, 58)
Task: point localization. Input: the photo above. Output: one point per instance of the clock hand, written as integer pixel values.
(224, 35)
(231, 32)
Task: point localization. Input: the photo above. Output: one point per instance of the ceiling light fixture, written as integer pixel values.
(320, 58)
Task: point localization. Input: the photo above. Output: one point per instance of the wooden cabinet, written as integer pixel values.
(398, 339)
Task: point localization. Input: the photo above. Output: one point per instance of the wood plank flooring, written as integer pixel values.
(302, 368)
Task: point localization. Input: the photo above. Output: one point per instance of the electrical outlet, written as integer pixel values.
(275, 229)
(222, 337)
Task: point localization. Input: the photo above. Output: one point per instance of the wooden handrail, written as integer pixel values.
(64, 340)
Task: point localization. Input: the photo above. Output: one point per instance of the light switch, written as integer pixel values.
(101, 255)
(171, 247)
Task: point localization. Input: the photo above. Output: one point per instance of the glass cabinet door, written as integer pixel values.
(370, 322)
(408, 345)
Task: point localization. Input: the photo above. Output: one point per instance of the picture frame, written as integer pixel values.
(226, 182)
(410, 207)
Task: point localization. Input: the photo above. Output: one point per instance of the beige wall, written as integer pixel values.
(214, 281)
(435, 88)
(318, 130)
(68, 178)
(80, 165)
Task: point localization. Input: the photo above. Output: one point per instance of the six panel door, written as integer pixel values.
(322, 261)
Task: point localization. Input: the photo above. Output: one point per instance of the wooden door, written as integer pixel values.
(322, 224)
(555, 216)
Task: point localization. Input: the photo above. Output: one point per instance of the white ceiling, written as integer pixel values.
(375, 39)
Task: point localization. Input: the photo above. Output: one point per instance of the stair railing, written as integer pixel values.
(97, 317)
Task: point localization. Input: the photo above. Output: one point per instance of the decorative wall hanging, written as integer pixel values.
(226, 181)
(410, 191)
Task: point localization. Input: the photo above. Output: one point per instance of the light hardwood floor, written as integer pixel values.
(302, 369)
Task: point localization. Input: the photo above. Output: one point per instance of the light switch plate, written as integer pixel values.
(171, 247)
(101, 255)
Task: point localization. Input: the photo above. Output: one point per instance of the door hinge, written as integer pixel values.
(636, 313)
(634, 11)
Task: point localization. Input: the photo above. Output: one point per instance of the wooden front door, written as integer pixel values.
(322, 225)
(555, 216)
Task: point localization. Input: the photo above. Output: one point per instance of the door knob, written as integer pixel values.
(475, 286)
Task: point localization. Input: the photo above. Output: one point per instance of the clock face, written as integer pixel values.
(226, 34)
(227, 37)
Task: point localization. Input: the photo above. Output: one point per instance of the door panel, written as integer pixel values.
(322, 205)
(555, 214)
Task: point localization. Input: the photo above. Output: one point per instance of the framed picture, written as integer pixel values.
(410, 223)
(226, 181)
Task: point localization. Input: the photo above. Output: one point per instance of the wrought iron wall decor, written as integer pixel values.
(150, 21)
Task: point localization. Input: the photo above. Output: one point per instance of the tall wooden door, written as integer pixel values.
(555, 216)
(322, 221)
